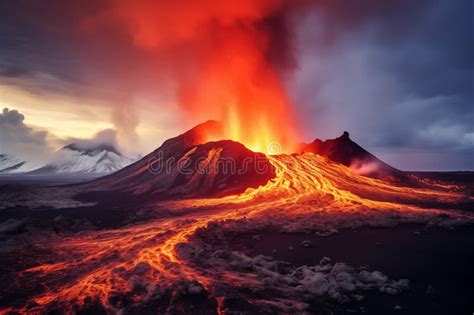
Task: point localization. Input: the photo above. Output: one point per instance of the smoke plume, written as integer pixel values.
(228, 60)
(126, 121)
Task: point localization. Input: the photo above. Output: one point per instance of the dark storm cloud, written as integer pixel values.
(397, 74)
(34, 38)
(48, 45)
(18, 139)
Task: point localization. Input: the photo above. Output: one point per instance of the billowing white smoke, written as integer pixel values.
(364, 168)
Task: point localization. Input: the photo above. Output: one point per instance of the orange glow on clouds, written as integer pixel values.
(227, 73)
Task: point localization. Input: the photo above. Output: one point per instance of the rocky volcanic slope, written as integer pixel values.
(345, 151)
(186, 166)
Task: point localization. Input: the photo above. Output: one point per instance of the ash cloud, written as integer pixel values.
(104, 137)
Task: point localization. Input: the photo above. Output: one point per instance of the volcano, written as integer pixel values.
(196, 164)
(188, 165)
(188, 223)
(345, 151)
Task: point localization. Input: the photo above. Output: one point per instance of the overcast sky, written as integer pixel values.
(398, 75)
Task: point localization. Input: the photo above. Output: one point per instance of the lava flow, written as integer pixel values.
(146, 263)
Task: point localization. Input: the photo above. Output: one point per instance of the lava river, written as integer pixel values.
(124, 268)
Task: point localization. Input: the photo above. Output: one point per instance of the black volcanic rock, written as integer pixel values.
(341, 150)
(189, 166)
(345, 151)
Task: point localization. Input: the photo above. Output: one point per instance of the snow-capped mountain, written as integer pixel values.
(13, 165)
(77, 158)
(8, 163)
(74, 158)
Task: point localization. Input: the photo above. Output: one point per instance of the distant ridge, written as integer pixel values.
(72, 159)
(99, 159)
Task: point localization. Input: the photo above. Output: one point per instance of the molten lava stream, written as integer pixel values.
(104, 264)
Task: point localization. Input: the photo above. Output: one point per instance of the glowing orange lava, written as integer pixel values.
(307, 188)
(241, 90)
